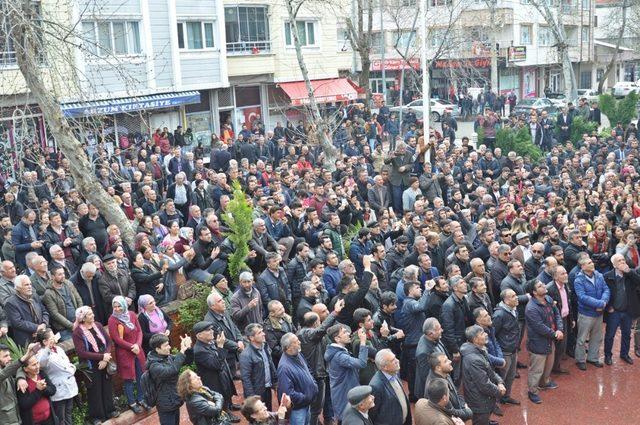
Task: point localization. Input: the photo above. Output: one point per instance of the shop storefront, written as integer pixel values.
(23, 133)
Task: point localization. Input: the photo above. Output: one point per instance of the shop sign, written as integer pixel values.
(462, 63)
(517, 53)
(394, 64)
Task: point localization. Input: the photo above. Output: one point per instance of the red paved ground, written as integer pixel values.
(595, 397)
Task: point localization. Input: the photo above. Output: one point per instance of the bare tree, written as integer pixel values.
(554, 17)
(320, 126)
(360, 39)
(33, 36)
(623, 11)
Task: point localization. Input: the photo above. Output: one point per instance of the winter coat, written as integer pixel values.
(211, 365)
(61, 372)
(54, 301)
(352, 300)
(387, 409)
(454, 316)
(22, 322)
(123, 339)
(274, 288)
(164, 372)
(201, 411)
(518, 286)
(9, 413)
(543, 320)
(252, 370)
(28, 400)
(112, 285)
(295, 380)
(313, 344)
(85, 293)
(343, 373)
(479, 379)
(85, 351)
(425, 348)
(146, 333)
(413, 316)
(506, 328)
(591, 296)
(631, 284)
(240, 312)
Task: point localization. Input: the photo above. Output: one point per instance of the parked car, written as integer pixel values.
(438, 108)
(623, 88)
(558, 99)
(525, 106)
(590, 94)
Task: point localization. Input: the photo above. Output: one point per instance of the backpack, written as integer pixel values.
(149, 390)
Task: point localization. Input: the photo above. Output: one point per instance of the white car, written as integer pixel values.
(438, 108)
(623, 88)
(590, 94)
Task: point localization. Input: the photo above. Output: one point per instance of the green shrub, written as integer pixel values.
(239, 220)
(193, 309)
(518, 141)
(624, 110)
(480, 134)
(579, 127)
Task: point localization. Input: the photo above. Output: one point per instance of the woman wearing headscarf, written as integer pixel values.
(152, 320)
(174, 263)
(93, 347)
(185, 240)
(125, 330)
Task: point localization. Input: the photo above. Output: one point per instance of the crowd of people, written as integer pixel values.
(403, 272)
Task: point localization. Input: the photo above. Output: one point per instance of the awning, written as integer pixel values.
(611, 46)
(130, 104)
(325, 91)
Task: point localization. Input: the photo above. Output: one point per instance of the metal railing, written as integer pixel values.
(248, 47)
(8, 59)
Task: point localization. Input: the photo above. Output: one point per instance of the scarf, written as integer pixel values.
(81, 314)
(124, 316)
(32, 308)
(277, 323)
(157, 322)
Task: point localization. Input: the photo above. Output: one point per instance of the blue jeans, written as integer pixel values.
(300, 416)
(129, 383)
(617, 319)
(396, 198)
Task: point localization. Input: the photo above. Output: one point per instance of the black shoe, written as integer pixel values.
(596, 364)
(608, 361)
(581, 366)
(637, 352)
(136, 409)
(235, 406)
(509, 400)
(627, 359)
(497, 411)
(233, 418)
(114, 414)
(145, 406)
(521, 365)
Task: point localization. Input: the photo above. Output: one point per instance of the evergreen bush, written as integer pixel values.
(579, 127)
(624, 110)
(518, 141)
(193, 309)
(239, 220)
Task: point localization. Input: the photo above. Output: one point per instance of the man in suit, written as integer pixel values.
(378, 195)
(209, 357)
(219, 316)
(560, 293)
(547, 131)
(361, 400)
(623, 307)
(391, 403)
(428, 344)
(564, 126)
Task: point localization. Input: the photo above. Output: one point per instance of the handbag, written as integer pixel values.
(112, 368)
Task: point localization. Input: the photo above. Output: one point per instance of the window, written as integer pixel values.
(440, 2)
(377, 42)
(545, 38)
(306, 33)
(119, 38)
(195, 35)
(7, 49)
(525, 35)
(343, 40)
(247, 29)
(405, 39)
(436, 37)
(585, 35)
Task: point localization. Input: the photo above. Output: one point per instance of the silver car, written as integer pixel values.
(438, 108)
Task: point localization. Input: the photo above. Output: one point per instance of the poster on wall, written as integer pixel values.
(529, 83)
(200, 125)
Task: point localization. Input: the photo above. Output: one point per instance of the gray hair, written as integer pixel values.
(20, 280)
(212, 298)
(410, 273)
(86, 241)
(257, 222)
(30, 257)
(53, 247)
(305, 286)
(380, 357)
(472, 332)
(429, 325)
(615, 258)
(87, 268)
(287, 340)
(246, 276)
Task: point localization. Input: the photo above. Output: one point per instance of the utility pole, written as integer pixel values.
(494, 45)
(384, 47)
(426, 89)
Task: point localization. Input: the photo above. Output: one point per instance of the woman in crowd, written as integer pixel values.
(256, 412)
(174, 233)
(93, 347)
(55, 364)
(35, 403)
(174, 263)
(159, 229)
(152, 320)
(126, 333)
(147, 280)
(203, 405)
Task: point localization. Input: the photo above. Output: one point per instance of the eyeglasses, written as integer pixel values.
(536, 251)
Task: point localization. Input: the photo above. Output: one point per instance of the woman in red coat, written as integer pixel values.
(126, 334)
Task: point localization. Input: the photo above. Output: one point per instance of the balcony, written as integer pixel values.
(8, 59)
(242, 48)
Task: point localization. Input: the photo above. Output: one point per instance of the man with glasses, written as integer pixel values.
(533, 265)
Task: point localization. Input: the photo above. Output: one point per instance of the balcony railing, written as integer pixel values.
(8, 59)
(248, 47)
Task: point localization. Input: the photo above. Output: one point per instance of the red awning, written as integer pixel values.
(325, 91)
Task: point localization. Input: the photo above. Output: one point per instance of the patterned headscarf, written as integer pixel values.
(124, 316)
(81, 315)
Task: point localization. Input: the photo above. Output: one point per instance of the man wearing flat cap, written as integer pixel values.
(361, 400)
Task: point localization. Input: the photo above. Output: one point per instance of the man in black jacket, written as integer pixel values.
(455, 316)
(220, 317)
(428, 344)
(353, 293)
(505, 323)
(575, 247)
(209, 357)
(392, 404)
(623, 306)
(313, 344)
(515, 281)
(558, 290)
(256, 366)
(164, 368)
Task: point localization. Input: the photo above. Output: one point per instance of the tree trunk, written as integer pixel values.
(24, 33)
(363, 78)
(320, 126)
(614, 58)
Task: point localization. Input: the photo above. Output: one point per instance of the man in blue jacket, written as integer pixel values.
(544, 327)
(593, 295)
(295, 380)
(344, 370)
